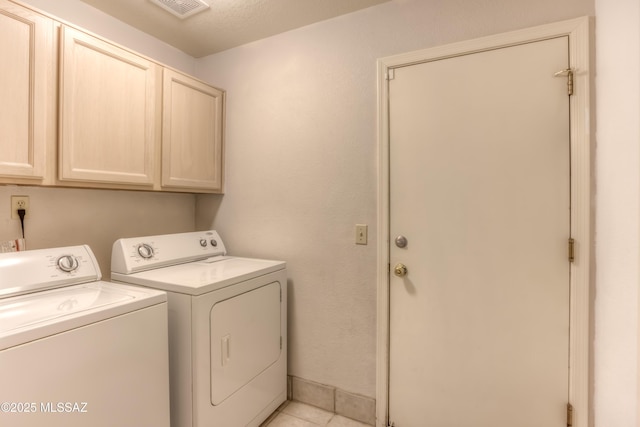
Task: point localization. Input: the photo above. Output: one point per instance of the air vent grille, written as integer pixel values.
(182, 8)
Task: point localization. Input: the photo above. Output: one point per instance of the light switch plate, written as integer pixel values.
(361, 234)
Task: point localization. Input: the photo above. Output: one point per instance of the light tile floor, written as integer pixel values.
(296, 414)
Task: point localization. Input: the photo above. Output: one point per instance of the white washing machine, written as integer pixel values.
(227, 325)
(76, 351)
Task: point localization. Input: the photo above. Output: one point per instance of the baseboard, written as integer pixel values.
(346, 404)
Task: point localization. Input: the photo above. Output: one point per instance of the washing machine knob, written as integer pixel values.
(145, 250)
(203, 243)
(67, 263)
(214, 242)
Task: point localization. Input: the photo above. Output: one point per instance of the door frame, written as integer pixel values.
(581, 127)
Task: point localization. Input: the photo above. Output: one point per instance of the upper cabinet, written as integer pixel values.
(80, 111)
(192, 133)
(27, 93)
(109, 108)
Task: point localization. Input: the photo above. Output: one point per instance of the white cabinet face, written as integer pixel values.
(27, 90)
(192, 148)
(108, 111)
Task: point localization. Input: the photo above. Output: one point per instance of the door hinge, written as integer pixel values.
(572, 249)
(568, 73)
(569, 415)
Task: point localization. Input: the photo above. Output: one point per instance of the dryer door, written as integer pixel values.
(245, 339)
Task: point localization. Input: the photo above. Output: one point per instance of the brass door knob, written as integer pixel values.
(400, 270)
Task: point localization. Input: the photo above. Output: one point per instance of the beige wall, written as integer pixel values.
(66, 217)
(301, 156)
(617, 213)
(301, 161)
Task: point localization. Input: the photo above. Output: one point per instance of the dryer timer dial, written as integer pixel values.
(145, 250)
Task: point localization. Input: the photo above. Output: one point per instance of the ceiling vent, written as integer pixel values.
(182, 8)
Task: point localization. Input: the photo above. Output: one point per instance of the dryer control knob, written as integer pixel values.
(214, 242)
(145, 250)
(67, 263)
(203, 243)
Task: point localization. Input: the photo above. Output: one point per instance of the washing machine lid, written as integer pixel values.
(37, 315)
(200, 277)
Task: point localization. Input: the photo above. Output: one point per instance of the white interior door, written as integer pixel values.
(480, 189)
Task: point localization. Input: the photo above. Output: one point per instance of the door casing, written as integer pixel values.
(579, 31)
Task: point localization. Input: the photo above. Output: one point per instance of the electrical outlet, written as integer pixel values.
(361, 234)
(19, 202)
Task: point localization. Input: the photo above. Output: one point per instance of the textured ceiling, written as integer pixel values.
(227, 23)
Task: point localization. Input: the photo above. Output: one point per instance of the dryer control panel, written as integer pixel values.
(130, 255)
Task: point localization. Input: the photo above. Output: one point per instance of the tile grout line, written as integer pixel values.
(297, 416)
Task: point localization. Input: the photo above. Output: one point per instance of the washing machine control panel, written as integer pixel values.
(71, 263)
(68, 263)
(144, 253)
(35, 270)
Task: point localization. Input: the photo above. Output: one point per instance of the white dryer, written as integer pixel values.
(76, 351)
(227, 325)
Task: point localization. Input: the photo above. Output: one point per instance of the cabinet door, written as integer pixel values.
(192, 134)
(27, 91)
(107, 112)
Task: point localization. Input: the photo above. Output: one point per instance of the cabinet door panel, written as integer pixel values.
(192, 146)
(107, 112)
(26, 90)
